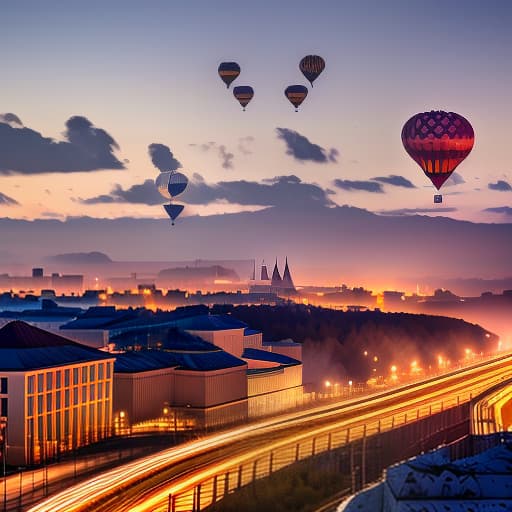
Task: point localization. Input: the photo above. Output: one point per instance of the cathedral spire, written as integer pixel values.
(287, 281)
(264, 272)
(276, 276)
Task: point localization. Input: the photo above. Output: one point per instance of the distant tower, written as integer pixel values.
(264, 272)
(276, 277)
(287, 282)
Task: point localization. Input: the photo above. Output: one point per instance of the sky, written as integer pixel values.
(107, 79)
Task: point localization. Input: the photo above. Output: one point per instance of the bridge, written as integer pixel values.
(409, 419)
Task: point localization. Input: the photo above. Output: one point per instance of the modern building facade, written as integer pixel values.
(57, 394)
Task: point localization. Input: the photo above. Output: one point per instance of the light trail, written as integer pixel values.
(272, 433)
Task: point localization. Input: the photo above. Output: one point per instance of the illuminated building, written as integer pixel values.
(57, 394)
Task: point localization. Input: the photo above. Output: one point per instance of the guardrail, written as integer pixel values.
(422, 428)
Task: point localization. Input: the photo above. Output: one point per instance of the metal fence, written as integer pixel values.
(362, 451)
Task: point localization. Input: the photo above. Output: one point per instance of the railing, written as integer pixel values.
(426, 422)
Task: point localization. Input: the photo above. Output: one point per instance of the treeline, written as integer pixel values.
(356, 343)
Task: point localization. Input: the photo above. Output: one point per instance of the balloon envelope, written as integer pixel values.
(438, 142)
(311, 67)
(244, 94)
(162, 183)
(173, 210)
(228, 71)
(177, 184)
(296, 94)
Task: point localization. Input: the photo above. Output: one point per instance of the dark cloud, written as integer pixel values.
(8, 201)
(10, 118)
(226, 157)
(367, 186)
(144, 193)
(454, 179)
(415, 211)
(285, 191)
(162, 157)
(500, 185)
(506, 210)
(395, 180)
(86, 148)
(303, 150)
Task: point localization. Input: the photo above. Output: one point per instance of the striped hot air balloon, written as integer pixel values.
(296, 94)
(244, 94)
(311, 67)
(228, 72)
(438, 142)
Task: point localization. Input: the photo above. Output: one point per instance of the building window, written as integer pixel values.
(49, 381)
(109, 370)
(101, 371)
(92, 392)
(30, 384)
(92, 373)
(66, 378)
(3, 386)
(84, 394)
(49, 407)
(84, 374)
(57, 400)
(30, 406)
(40, 383)
(58, 383)
(100, 390)
(3, 407)
(66, 398)
(40, 404)
(75, 396)
(75, 376)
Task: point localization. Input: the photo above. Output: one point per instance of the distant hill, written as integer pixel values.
(335, 342)
(80, 258)
(329, 245)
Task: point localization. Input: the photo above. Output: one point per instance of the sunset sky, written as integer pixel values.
(146, 72)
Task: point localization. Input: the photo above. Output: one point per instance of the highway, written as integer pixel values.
(145, 484)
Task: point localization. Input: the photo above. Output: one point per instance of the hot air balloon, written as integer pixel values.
(244, 94)
(228, 71)
(438, 142)
(296, 94)
(311, 67)
(171, 184)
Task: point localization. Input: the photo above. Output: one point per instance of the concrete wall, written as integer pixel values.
(206, 389)
(230, 340)
(143, 395)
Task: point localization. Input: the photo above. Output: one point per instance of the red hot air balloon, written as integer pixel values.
(244, 94)
(438, 142)
(296, 94)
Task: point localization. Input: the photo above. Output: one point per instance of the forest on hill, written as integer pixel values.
(359, 345)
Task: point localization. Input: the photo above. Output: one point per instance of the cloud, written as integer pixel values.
(162, 157)
(144, 193)
(505, 210)
(500, 185)
(11, 119)
(395, 180)
(367, 186)
(454, 179)
(85, 148)
(244, 143)
(224, 154)
(415, 211)
(8, 201)
(303, 150)
(285, 191)
(226, 157)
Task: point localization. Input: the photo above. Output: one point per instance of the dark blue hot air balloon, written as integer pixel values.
(311, 67)
(228, 72)
(244, 94)
(296, 94)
